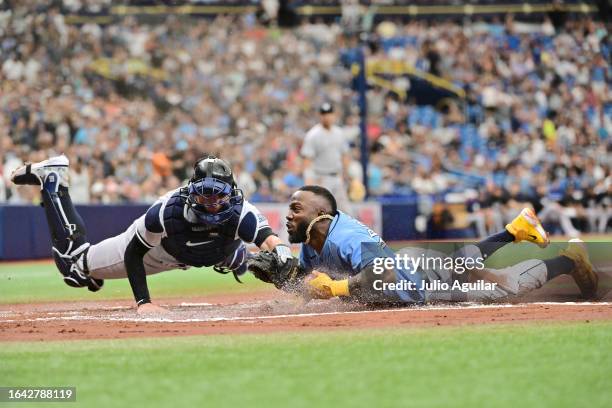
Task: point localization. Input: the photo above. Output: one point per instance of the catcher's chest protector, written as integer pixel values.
(198, 244)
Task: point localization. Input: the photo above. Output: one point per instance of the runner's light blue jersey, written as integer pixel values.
(350, 247)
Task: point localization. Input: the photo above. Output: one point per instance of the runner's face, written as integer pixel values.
(301, 212)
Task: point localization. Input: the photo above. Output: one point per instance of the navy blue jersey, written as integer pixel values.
(169, 223)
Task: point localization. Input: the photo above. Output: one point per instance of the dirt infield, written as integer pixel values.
(262, 313)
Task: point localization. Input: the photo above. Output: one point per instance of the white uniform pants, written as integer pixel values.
(105, 260)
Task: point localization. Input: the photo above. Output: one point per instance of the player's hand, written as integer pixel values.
(151, 310)
(317, 285)
(320, 286)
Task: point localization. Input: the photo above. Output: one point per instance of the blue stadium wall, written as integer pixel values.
(24, 233)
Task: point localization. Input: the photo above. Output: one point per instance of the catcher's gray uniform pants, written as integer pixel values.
(105, 259)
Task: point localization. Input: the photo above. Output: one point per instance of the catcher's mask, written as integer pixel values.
(212, 191)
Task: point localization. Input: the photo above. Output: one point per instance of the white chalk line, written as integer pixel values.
(297, 315)
(189, 304)
(8, 313)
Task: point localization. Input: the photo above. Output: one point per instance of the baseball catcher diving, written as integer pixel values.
(339, 258)
(205, 223)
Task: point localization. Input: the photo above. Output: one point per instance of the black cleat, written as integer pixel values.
(95, 285)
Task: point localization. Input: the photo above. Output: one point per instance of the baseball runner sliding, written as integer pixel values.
(333, 242)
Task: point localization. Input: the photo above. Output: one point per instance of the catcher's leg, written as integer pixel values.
(106, 259)
(67, 229)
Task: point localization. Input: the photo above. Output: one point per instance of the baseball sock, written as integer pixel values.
(559, 265)
(494, 242)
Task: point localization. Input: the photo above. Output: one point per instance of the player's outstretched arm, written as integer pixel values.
(134, 265)
(271, 242)
(359, 287)
(254, 228)
(362, 287)
(282, 250)
(285, 274)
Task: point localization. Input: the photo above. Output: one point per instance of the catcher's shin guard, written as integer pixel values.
(68, 235)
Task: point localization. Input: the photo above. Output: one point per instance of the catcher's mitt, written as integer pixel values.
(268, 267)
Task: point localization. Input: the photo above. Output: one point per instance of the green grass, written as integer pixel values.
(552, 365)
(38, 282)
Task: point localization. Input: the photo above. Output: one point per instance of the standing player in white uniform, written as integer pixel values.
(205, 223)
(325, 151)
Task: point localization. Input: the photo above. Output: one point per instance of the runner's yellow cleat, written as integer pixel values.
(527, 227)
(583, 273)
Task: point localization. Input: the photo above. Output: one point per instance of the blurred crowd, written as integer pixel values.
(133, 105)
(535, 127)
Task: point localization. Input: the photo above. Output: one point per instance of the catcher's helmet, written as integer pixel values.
(212, 191)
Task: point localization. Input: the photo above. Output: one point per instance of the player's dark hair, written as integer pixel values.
(325, 193)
